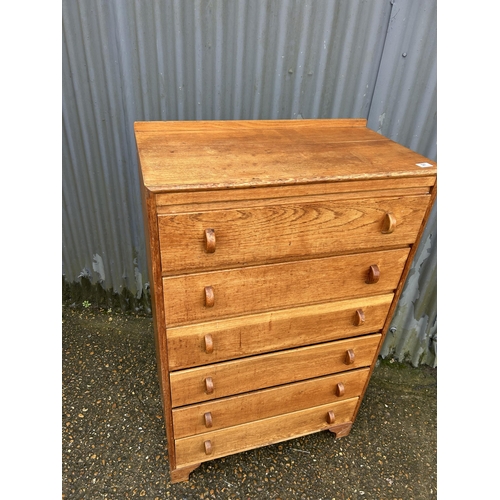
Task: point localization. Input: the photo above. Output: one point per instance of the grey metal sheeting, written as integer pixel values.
(125, 61)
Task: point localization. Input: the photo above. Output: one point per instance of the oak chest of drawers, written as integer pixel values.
(277, 253)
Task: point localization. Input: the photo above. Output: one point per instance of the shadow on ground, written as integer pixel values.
(114, 443)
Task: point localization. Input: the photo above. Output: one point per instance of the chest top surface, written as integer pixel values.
(205, 155)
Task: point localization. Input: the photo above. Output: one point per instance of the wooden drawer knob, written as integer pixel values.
(359, 317)
(209, 344)
(208, 419)
(340, 391)
(373, 274)
(349, 357)
(209, 296)
(330, 417)
(209, 385)
(208, 447)
(209, 240)
(389, 223)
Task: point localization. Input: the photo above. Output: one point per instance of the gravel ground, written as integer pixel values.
(114, 444)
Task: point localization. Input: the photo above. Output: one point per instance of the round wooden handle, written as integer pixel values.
(210, 240)
(209, 296)
(340, 391)
(209, 385)
(209, 344)
(389, 223)
(349, 357)
(208, 419)
(373, 274)
(208, 447)
(330, 417)
(359, 317)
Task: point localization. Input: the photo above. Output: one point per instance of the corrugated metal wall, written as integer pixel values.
(125, 60)
(406, 95)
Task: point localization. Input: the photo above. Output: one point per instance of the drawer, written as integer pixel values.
(217, 294)
(267, 370)
(258, 235)
(220, 340)
(194, 449)
(236, 410)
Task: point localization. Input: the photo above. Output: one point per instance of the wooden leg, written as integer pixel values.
(341, 430)
(182, 474)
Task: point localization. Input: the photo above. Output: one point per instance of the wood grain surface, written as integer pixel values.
(201, 155)
(262, 432)
(277, 251)
(285, 232)
(253, 289)
(267, 370)
(223, 339)
(235, 410)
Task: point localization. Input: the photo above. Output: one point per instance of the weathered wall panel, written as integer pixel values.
(413, 333)
(405, 98)
(404, 109)
(125, 61)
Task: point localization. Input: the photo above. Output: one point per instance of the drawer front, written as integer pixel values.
(258, 235)
(220, 340)
(194, 449)
(267, 370)
(236, 410)
(218, 294)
